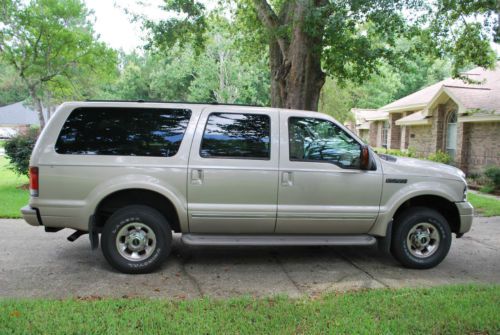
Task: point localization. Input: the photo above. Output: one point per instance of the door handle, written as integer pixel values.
(196, 176)
(286, 178)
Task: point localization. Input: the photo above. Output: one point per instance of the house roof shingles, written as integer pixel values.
(17, 114)
(481, 95)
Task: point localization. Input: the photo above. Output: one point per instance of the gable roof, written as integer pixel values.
(482, 95)
(414, 119)
(362, 115)
(18, 114)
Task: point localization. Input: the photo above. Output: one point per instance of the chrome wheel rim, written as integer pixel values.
(423, 240)
(135, 241)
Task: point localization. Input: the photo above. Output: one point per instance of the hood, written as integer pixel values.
(410, 166)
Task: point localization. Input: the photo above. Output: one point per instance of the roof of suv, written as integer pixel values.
(137, 103)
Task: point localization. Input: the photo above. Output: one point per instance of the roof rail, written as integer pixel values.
(174, 102)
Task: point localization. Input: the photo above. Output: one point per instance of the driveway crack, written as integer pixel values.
(194, 281)
(285, 271)
(485, 244)
(361, 269)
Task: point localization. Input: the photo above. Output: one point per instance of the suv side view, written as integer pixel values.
(133, 172)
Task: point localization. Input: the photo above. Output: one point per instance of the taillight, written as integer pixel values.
(34, 181)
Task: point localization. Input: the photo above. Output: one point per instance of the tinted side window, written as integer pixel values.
(319, 140)
(123, 131)
(237, 136)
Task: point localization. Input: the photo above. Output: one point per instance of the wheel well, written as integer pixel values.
(123, 198)
(445, 207)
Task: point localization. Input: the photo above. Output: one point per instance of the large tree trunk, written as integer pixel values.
(295, 59)
(38, 106)
(299, 77)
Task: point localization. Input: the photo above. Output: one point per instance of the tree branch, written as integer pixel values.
(269, 18)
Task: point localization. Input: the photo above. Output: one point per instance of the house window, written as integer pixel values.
(385, 132)
(451, 134)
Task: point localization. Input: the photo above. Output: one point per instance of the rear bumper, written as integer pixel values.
(31, 215)
(466, 212)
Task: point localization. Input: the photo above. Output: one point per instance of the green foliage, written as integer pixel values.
(493, 173)
(463, 30)
(440, 157)
(13, 191)
(52, 47)
(188, 27)
(18, 150)
(410, 152)
(12, 89)
(356, 41)
(218, 74)
(464, 309)
(485, 205)
(389, 84)
(488, 188)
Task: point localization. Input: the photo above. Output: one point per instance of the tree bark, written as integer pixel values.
(38, 106)
(295, 59)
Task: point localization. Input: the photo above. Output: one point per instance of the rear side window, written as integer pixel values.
(230, 135)
(123, 131)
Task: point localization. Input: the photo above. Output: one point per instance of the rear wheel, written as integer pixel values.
(421, 239)
(136, 239)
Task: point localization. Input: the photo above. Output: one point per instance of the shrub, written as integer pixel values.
(487, 188)
(18, 150)
(493, 173)
(440, 157)
(395, 152)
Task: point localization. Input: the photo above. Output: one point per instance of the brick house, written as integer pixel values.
(453, 116)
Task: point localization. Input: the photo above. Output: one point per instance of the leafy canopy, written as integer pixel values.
(52, 47)
(356, 36)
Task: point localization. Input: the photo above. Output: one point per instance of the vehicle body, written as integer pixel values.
(234, 175)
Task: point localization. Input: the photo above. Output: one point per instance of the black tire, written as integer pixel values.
(159, 243)
(404, 251)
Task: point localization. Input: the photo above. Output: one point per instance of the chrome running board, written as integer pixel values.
(277, 240)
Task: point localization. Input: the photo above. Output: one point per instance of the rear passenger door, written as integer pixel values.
(233, 171)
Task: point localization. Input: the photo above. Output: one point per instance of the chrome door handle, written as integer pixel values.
(286, 178)
(196, 176)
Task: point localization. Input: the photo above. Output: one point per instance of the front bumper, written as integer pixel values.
(31, 215)
(466, 212)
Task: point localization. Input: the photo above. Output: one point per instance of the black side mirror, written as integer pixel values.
(364, 158)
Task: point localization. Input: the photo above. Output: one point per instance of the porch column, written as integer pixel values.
(394, 136)
(463, 135)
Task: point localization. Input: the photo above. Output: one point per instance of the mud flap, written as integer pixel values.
(384, 242)
(93, 234)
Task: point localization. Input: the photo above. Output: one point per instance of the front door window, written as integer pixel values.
(317, 140)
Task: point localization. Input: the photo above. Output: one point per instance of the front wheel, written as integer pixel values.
(136, 239)
(421, 239)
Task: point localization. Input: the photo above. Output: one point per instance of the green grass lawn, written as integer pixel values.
(12, 198)
(485, 206)
(442, 310)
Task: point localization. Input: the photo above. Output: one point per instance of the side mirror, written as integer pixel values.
(364, 158)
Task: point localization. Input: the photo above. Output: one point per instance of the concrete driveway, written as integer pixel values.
(38, 264)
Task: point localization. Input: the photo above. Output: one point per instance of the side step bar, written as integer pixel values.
(277, 240)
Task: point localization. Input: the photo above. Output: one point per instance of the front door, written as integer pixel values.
(322, 189)
(233, 172)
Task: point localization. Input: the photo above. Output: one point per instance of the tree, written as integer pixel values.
(219, 73)
(12, 89)
(52, 47)
(347, 40)
(389, 84)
